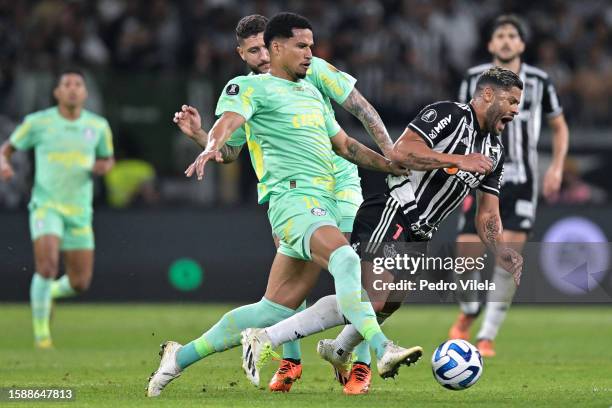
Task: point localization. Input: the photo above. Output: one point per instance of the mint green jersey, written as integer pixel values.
(288, 130)
(65, 152)
(333, 84)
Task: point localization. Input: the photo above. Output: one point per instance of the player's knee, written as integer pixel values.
(47, 268)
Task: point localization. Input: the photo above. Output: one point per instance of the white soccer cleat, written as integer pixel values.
(394, 356)
(256, 351)
(168, 369)
(340, 359)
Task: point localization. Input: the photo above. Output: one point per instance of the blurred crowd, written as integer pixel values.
(404, 53)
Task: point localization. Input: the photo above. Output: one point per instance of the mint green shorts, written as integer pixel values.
(348, 200)
(75, 232)
(295, 216)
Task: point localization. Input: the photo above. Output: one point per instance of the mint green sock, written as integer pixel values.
(40, 302)
(292, 349)
(362, 353)
(61, 288)
(344, 265)
(225, 334)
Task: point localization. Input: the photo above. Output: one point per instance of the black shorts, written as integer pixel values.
(517, 210)
(381, 230)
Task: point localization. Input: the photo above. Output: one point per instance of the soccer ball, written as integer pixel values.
(456, 364)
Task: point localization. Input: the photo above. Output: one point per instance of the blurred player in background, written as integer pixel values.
(71, 145)
(297, 134)
(332, 84)
(519, 193)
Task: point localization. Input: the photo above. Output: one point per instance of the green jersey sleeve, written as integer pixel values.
(238, 138)
(331, 124)
(104, 148)
(24, 135)
(330, 81)
(240, 96)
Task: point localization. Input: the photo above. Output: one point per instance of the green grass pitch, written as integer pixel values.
(547, 356)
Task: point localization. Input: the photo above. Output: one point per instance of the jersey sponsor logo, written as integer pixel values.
(232, 89)
(472, 180)
(429, 116)
(439, 127)
(318, 211)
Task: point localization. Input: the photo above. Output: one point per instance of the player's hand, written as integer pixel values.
(398, 170)
(188, 120)
(197, 166)
(552, 182)
(6, 170)
(476, 163)
(512, 261)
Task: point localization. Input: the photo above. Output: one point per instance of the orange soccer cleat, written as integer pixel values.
(359, 380)
(486, 348)
(461, 328)
(288, 373)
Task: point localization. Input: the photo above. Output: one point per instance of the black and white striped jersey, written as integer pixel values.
(428, 197)
(520, 137)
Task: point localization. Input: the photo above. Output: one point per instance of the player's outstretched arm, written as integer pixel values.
(560, 139)
(218, 135)
(190, 123)
(411, 151)
(6, 170)
(355, 152)
(489, 227)
(358, 105)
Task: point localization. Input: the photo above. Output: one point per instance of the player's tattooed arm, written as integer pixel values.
(489, 227)
(411, 151)
(357, 105)
(359, 154)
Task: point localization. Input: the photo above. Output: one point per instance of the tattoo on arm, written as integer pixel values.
(416, 162)
(365, 157)
(491, 229)
(357, 105)
(230, 153)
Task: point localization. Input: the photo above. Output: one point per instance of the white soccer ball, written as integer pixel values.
(456, 364)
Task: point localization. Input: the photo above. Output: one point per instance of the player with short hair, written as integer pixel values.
(519, 193)
(333, 84)
(451, 148)
(297, 136)
(71, 145)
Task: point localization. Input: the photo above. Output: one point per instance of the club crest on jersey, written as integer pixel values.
(429, 116)
(439, 127)
(319, 212)
(89, 134)
(232, 89)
